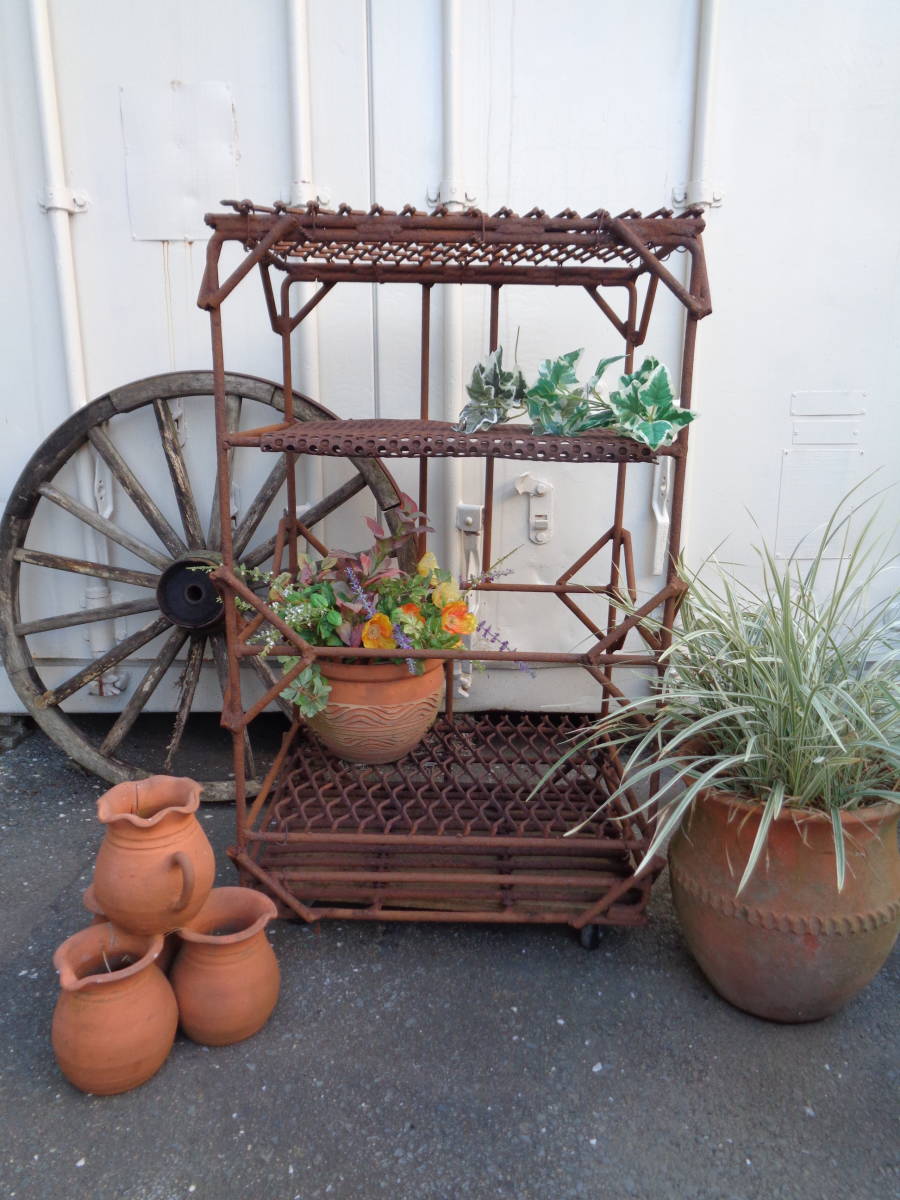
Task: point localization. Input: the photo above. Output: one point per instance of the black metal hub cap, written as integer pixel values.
(187, 595)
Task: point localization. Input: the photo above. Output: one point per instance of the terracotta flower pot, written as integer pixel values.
(791, 947)
(377, 713)
(170, 942)
(112, 1028)
(226, 978)
(155, 867)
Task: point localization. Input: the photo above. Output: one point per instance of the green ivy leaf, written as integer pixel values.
(493, 394)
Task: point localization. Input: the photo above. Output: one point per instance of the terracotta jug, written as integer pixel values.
(170, 943)
(116, 1015)
(155, 867)
(225, 977)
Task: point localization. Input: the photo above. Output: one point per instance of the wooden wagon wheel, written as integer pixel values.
(179, 602)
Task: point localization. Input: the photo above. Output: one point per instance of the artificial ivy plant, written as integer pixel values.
(642, 406)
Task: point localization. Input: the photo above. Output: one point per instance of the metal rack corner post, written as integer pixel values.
(448, 833)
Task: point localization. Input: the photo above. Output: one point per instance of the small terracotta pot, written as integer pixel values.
(377, 713)
(226, 978)
(791, 947)
(112, 1029)
(155, 867)
(170, 941)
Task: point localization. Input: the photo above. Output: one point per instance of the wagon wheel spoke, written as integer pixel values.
(220, 655)
(269, 677)
(112, 658)
(189, 680)
(136, 491)
(184, 493)
(144, 691)
(85, 616)
(102, 525)
(259, 506)
(315, 513)
(233, 406)
(79, 566)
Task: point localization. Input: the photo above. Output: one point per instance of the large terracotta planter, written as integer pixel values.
(790, 947)
(226, 978)
(377, 713)
(155, 866)
(112, 1029)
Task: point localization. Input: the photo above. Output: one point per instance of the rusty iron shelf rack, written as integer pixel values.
(448, 833)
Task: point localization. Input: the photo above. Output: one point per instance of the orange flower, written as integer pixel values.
(378, 633)
(456, 618)
(412, 610)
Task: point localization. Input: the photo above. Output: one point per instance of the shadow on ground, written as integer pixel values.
(433, 1062)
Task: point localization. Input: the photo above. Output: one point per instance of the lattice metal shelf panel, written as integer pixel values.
(453, 830)
(384, 438)
(456, 247)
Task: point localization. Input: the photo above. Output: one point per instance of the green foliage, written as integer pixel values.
(494, 394)
(309, 690)
(788, 694)
(359, 599)
(642, 407)
(559, 404)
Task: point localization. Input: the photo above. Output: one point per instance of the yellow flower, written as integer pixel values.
(445, 593)
(378, 633)
(427, 564)
(456, 618)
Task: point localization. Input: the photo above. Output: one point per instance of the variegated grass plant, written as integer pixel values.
(786, 693)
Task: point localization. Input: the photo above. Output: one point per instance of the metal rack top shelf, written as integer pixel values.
(410, 246)
(382, 438)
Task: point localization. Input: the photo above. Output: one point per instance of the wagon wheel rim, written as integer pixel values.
(175, 597)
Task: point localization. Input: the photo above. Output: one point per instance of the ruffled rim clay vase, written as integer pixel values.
(116, 1015)
(790, 947)
(226, 977)
(155, 866)
(377, 713)
(170, 941)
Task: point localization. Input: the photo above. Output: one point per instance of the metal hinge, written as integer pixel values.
(662, 481)
(540, 507)
(65, 199)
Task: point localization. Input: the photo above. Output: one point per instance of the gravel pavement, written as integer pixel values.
(433, 1062)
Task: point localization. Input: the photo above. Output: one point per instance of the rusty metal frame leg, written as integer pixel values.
(424, 388)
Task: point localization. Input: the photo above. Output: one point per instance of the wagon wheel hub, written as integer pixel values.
(187, 595)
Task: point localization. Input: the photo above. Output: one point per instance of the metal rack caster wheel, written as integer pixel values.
(589, 936)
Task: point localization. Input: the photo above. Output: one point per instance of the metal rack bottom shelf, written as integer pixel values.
(449, 832)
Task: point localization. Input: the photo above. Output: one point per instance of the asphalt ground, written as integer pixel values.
(423, 1062)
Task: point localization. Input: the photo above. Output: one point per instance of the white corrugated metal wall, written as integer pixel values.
(580, 104)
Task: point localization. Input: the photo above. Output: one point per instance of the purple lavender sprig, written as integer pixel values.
(368, 604)
(487, 576)
(402, 640)
(491, 635)
(359, 591)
